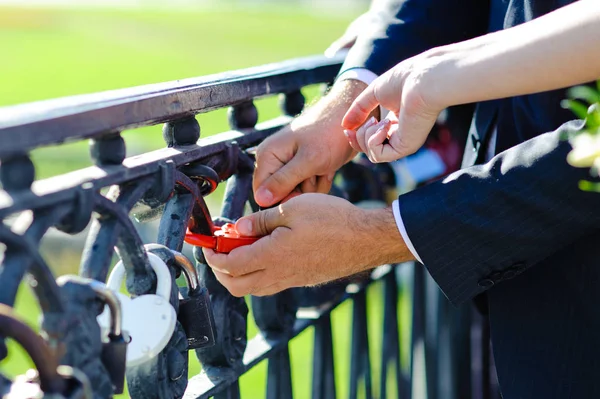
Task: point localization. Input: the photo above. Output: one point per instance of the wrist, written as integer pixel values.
(438, 78)
(327, 114)
(464, 72)
(383, 242)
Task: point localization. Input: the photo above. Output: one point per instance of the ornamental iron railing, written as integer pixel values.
(449, 348)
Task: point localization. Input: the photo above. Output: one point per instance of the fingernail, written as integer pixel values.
(382, 125)
(371, 122)
(264, 196)
(347, 133)
(244, 227)
(330, 177)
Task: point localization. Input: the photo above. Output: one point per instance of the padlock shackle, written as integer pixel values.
(163, 276)
(201, 221)
(42, 356)
(188, 269)
(114, 305)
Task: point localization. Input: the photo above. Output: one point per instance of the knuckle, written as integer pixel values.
(224, 281)
(235, 272)
(262, 149)
(261, 222)
(402, 146)
(254, 291)
(279, 178)
(236, 293)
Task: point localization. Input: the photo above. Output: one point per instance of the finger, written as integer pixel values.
(215, 260)
(361, 108)
(309, 185)
(243, 285)
(361, 133)
(360, 139)
(239, 262)
(375, 139)
(261, 223)
(414, 125)
(282, 182)
(390, 150)
(271, 156)
(351, 136)
(324, 184)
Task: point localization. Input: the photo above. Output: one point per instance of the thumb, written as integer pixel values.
(282, 182)
(260, 223)
(360, 109)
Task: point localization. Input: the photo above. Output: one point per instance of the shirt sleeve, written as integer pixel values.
(361, 74)
(402, 230)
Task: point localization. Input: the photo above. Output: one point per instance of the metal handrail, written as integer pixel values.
(24, 127)
(162, 178)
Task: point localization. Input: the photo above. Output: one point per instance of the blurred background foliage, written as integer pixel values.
(49, 51)
(584, 101)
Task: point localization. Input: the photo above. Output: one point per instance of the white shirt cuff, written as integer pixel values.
(402, 230)
(361, 74)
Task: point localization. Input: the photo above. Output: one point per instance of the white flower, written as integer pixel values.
(586, 151)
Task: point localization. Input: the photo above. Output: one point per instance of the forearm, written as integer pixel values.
(554, 51)
(384, 243)
(331, 108)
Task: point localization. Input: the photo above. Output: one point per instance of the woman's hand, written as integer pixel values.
(406, 91)
(529, 58)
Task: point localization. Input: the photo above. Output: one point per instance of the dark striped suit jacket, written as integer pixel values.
(517, 228)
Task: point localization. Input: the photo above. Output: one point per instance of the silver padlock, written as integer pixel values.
(149, 319)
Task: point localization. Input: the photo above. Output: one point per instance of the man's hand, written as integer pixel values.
(310, 239)
(304, 156)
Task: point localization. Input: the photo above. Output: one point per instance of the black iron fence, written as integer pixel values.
(448, 351)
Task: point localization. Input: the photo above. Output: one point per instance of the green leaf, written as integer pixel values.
(578, 108)
(593, 119)
(586, 185)
(586, 93)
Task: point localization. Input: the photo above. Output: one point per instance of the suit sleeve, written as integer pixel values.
(488, 223)
(405, 28)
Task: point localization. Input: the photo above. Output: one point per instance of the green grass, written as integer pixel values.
(49, 53)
